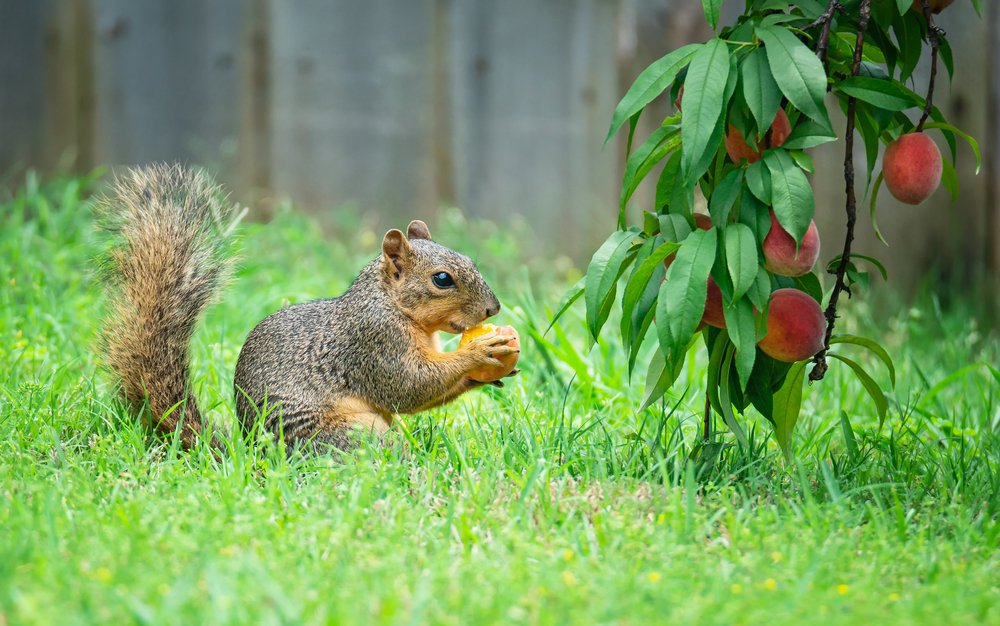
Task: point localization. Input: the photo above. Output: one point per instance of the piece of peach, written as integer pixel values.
(713, 315)
(780, 254)
(936, 6)
(490, 374)
(796, 327)
(738, 148)
(912, 168)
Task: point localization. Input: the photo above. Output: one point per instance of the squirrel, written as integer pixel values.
(314, 373)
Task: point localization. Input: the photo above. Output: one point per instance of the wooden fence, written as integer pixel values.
(397, 106)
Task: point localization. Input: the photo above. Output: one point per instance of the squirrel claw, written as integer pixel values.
(513, 372)
(496, 383)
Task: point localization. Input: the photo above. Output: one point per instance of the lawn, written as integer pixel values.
(550, 501)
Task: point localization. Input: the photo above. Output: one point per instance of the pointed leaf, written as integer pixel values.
(875, 188)
(572, 295)
(650, 84)
(797, 71)
(870, 345)
(881, 404)
(602, 274)
(808, 135)
(791, 194)
(640, 281)
(741, 257)
(972, 142)
(787, 402)
(681, 302)
(724, 197)
(881, 93)
(726, 402)
(704, 89)
(759, 181)
(949, 178)
(761, 93)
(743, 334)
(712, 11)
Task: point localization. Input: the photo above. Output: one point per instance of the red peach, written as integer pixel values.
(796, 327)
(713, 315)
(780, 253)
(737, 146)
(936, 6)
(912, 168)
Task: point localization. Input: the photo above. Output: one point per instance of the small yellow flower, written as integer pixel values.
(568, 578)
(655, 577)
(568, 555)
(662, 518)
(102, 573)
(842, 589)
(776, 556)
(771, 584)
(894, 597)
(12, 282)
(736, 589)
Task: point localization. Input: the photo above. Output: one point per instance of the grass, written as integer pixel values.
(552, 501)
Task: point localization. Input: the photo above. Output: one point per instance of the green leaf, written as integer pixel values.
(949, 178)
(741, 257)
(881, 39)
(903, 5)
(650, 84)
(712, 12)
(760, 291)
(944, 50)
(803, 160)
(572, 295)
(674, 227)
(791, 194)
(628, 306)
(809, 283)
(972, 142)
(881, 404)
(875, 188)
(881, 93)
(643, 160)
(759, 181)
(881, 268)
(870, 345)
(908, 35)
(640, 280)
(717, 353)
(996, 374)
(868, 128)
(724, 197)
(756, 216)
(602, 274)
(726, 402)
(743, 334)
(978, 5)
(759, 89)
(665, 183)
(787, 402)
(682, 296)
(661, 375)
(703, 103)
(797, 71)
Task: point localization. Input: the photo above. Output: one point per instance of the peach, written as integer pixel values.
(796, 327)
(703, 222)
(713, 315)
(738, 148)
(780, 254)
(492, 373)
(936, 6)
(912, 168)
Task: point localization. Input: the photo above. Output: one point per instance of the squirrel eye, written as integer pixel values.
(443, 280)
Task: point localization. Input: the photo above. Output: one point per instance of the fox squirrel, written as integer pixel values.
(314, 372)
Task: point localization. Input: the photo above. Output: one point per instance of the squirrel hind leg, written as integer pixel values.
(342, 425)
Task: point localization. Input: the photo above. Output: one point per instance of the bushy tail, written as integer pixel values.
(171, 259)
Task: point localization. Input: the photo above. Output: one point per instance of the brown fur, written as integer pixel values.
(318, 373)
(168, 264)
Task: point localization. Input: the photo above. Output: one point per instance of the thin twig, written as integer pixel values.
(934, 34)
(826, 20)
(819, 369)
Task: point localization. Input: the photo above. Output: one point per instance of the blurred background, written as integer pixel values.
(393, 110)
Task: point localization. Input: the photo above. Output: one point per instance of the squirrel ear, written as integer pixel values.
(395, 251)
(418, 230)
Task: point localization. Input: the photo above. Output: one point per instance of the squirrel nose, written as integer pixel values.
(493, 309)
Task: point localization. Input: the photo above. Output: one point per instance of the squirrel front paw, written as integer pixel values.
(494, 354)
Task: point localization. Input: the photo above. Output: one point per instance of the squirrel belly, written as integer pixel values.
(311, 373)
